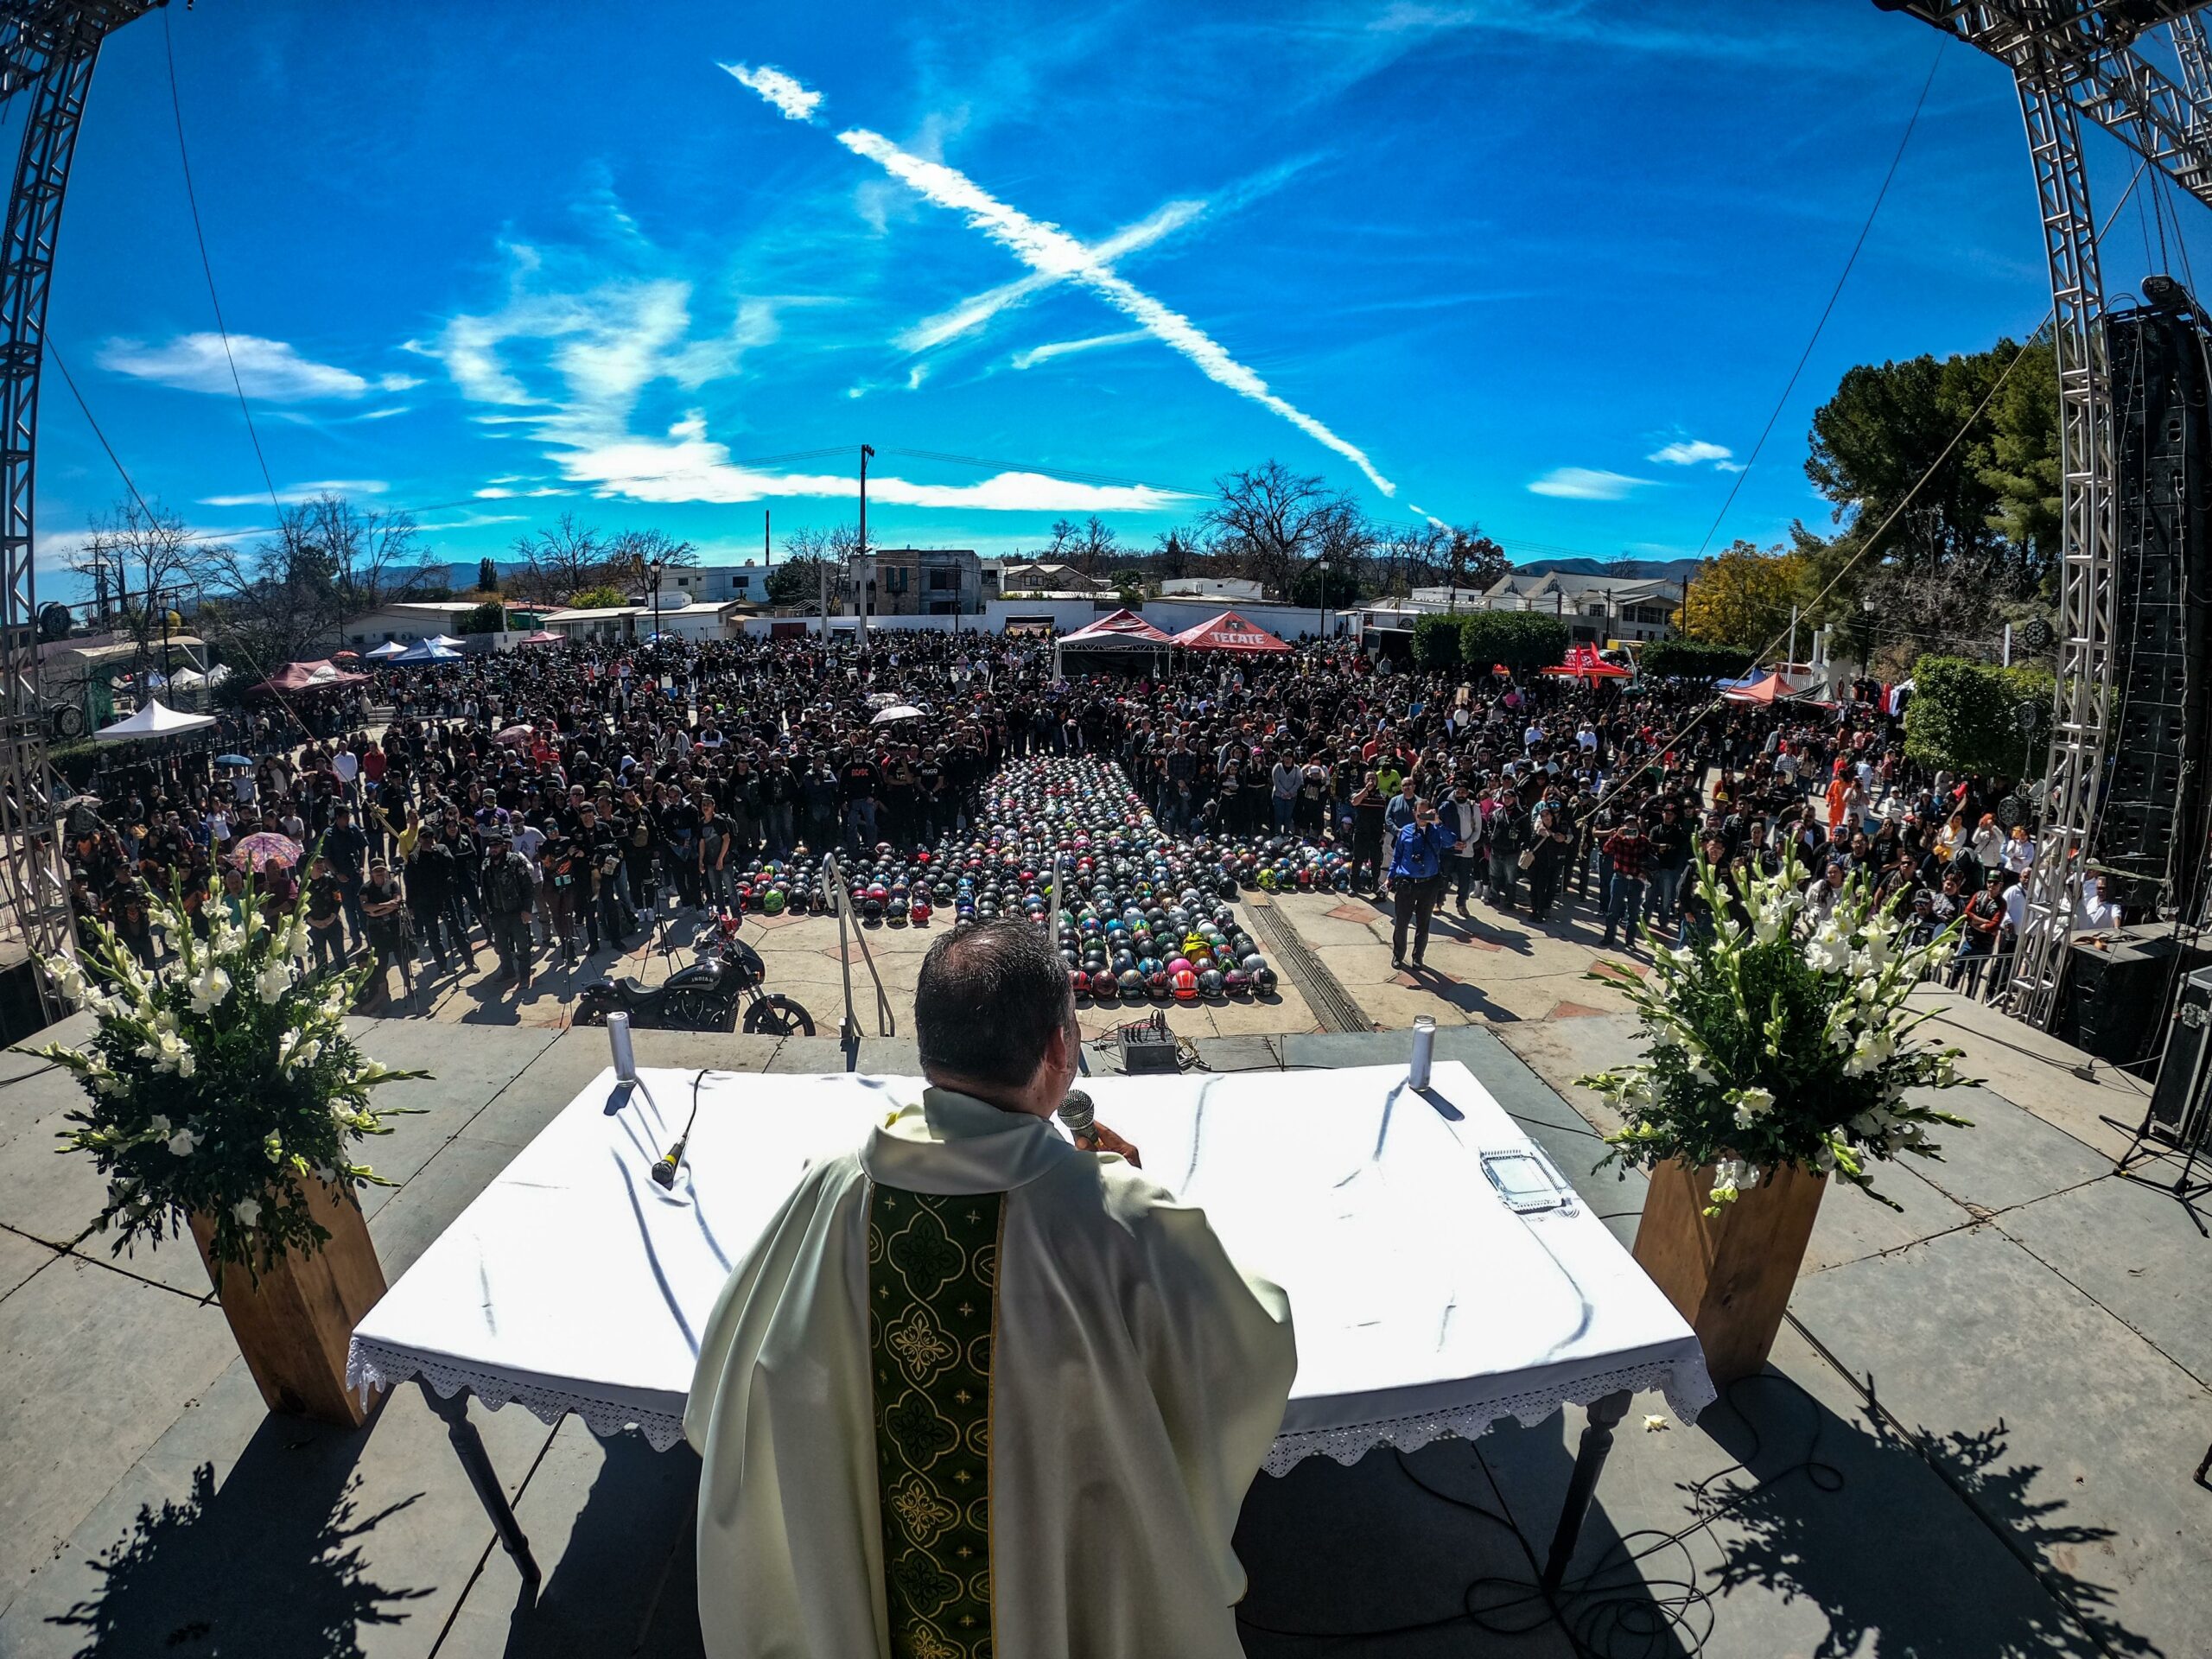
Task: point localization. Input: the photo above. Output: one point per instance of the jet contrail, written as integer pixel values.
(1053, 254)
(1050, 250)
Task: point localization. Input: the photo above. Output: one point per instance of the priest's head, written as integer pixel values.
(993, 1017)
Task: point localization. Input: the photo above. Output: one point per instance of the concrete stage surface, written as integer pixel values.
(1976, 1441)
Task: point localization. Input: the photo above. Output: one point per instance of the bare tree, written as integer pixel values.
(631, 551)
(564, 559)
(1065, 538)
(1475, 561)
(375, 557)
(142, 561)
(1275, 520)
(1095, 544)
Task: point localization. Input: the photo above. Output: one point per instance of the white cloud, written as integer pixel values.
(916, 375)
(493, 493)
(687, 466)
(1690, 452)
(1050, 349)
(1049, 250)
(268, 370)
(297, 492)
(1585, 484)
(477, 521)
(798, 103)
(973, 312)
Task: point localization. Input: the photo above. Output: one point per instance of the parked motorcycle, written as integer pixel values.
(705, 996)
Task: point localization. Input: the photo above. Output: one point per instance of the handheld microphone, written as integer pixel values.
(664, 1172)
(1076, 1114)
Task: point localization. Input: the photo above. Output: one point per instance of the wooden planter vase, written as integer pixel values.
(293, 1326)
(1730, 1275)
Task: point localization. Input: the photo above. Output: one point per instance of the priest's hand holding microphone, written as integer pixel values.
(1077, 1116)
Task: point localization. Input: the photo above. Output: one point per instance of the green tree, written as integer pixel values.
(602, 596)
(1694, 659)
(1436, 641)
(488, 617)
(1522, 641)
(796, 582)
(1966, 716)
(487, 576)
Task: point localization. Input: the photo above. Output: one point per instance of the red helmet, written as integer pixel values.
(1186, 986)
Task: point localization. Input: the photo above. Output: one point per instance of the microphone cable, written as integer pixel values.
(664, 1171)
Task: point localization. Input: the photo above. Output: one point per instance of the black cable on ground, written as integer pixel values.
(1612, 1609)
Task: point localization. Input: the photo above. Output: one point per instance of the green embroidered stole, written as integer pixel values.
(932, 1286)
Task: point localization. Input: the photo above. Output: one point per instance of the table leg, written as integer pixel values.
(468, 1446)
(1589, 1463)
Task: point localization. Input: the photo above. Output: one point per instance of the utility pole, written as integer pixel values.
(767, 548)
(861, 581)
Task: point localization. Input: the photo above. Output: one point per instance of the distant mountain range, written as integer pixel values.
(1669, 569)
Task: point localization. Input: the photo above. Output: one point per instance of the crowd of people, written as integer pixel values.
(550, 803)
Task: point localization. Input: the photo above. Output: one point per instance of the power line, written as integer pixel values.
(192, 198)
(1828, 309)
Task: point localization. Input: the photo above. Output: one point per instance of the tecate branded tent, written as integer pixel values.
(1229, 632)
(156, 719)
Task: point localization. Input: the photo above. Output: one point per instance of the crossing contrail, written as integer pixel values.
(1050, 251)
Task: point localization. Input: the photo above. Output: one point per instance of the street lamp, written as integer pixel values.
(866, 455)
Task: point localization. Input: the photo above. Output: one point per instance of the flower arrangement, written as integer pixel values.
(1781, 1037)
(218, 1082)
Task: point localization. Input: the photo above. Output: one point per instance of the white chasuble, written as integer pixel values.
(976, 1395)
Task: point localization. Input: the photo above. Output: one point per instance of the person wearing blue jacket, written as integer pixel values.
(1417, 879)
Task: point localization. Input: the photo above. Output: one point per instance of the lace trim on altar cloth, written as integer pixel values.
(369, 1365)
(1685, 1387)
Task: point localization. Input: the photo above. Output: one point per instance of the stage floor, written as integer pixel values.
(2037, 1332)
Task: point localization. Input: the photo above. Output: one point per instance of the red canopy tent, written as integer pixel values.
(544, 636)
(1124, 627)
(1769, 688)
(1582, 663)
(1229, 632)
(310, 677)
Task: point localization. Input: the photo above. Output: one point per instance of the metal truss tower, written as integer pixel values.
(46, 55)
(2072, 60)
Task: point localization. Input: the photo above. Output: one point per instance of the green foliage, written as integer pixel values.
(487, 576)
(604, 596)
(488, 617)
(796, 582)
(1436, 642)
(1780, 1039)
(1988, 510)
(1694, 660)
(1522, 641)
(1965, 715)
(218, 1084)
(1324, 582)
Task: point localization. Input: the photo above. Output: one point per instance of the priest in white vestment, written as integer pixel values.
(976, 1394)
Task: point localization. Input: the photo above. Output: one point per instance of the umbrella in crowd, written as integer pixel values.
(514, 736)
(264, 848)
(897, 711)
(233, 761)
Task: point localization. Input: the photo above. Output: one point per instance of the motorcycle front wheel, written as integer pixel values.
(779, 1016)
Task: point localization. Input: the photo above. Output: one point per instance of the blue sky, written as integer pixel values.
(1532, 265)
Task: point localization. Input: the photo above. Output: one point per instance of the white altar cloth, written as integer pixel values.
(1423, 1304)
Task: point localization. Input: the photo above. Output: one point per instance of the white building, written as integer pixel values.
(1595, 608)
(1230, 590)
(626, 624)
(407, 621)
(714, 584)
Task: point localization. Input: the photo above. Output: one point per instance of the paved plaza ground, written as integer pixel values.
(1976, 1438)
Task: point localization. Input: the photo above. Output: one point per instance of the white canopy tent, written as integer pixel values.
(156, 719)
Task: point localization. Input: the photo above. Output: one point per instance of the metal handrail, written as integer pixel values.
(840, 894)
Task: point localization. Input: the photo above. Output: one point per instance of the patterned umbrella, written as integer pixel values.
(514, 736)
(264, 848)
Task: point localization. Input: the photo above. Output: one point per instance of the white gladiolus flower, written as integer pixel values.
(273, 981)
(1827, 951)
(296, 943)
(1737, 1173)
(186, 1063)
(209, 989)
(158, 1126)
(248, 1210)
(183, 1142)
